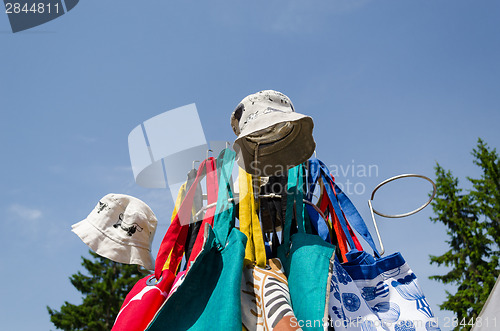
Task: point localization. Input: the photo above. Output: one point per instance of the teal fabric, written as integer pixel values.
(307, 260)
(209, 297)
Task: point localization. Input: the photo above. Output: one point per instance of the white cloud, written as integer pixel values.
(25, 213)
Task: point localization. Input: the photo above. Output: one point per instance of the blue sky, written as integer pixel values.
(396, 84)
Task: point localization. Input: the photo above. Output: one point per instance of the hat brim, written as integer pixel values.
(111, 249)
(276, 158)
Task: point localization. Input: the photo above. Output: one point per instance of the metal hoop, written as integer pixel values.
(434, 189)
(372, 210)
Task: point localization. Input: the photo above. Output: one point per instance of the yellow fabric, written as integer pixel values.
(180, 197)
(255, 250)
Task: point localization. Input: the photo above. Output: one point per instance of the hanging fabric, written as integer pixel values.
(307, 260)
(172, 249)
(345, 214)
(210, 211)
(348, 309)
(149, 293)
(265, 297)
(378, 294)
(195, 242)
(209, 296)
(369, 292)
(195, 223)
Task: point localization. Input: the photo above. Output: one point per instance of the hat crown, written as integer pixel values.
(272, 137)
(125, 219)
(257, 105)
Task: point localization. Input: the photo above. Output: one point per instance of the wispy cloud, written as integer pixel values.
(25, 213)
(32, 225)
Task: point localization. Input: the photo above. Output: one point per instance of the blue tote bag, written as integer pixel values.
(368, 292)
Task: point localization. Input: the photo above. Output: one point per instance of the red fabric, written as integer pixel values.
(342, 243)
(357, 244)
(175, 238)
(142, 303)
(212, 193)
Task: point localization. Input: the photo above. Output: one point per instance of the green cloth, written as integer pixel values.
(307, 260)
(209, 298)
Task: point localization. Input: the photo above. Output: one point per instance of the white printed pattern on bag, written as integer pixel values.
(392, 301)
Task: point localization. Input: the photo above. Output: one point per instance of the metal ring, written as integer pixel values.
(151, 281)
(434, 189)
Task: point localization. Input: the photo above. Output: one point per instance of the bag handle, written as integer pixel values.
(351, 213)
(313, 172)
(224, 212)
(194, 227)
(325, 205)
(211, 182)
(295, 197)
(343, 206)
(255, 251)
(172, 247)
(315, 177)
(323, 172)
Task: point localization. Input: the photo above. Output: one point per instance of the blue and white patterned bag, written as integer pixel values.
(381, 294)
(348, 310)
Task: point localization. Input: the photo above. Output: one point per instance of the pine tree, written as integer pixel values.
(487, 189)
(473, 226)
(103, 293)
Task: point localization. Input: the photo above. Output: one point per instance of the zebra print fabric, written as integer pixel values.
(265, 298)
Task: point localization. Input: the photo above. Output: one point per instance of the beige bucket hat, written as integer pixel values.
(267, 121)
(120, 228)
